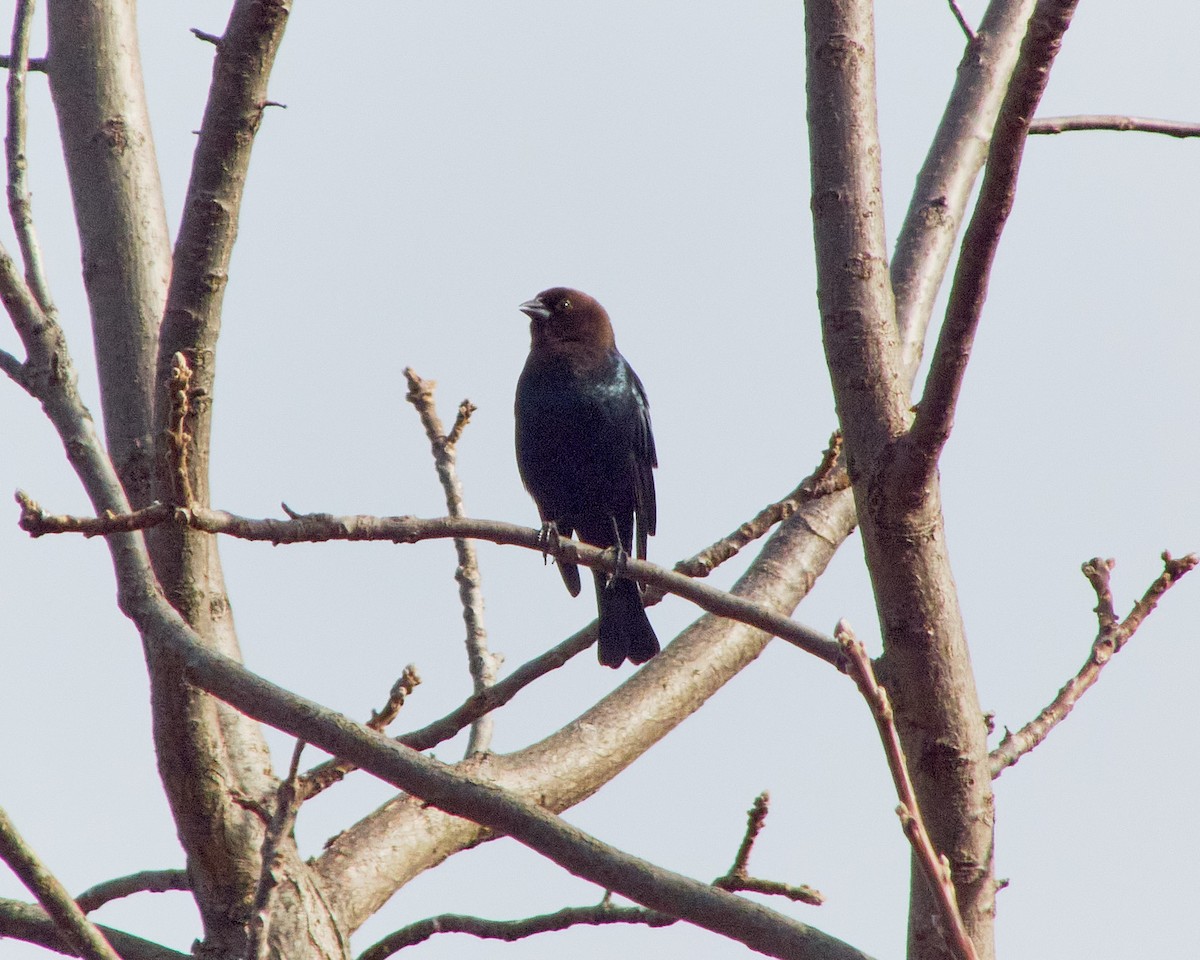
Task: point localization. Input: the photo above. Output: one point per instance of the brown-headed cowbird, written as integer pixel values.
(585, 452)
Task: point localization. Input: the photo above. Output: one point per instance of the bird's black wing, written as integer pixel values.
(645, 459)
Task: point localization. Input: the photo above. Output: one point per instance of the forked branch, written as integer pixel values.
(935, 413)
(73, 924)
(738, 878)
(1111, 637)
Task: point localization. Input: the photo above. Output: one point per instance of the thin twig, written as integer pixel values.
(1111, 636)
(32, 64)
(1111, 121)
(510, 930)
(756, 819)
(37, 523)
(288, 798)
(146, 881)
(738, 878)
(935, 867)
(475, 706)
(827, 478)
(326, 774)
(482, 663)
(497, 696)
(74, 925)
(319, 528)
(19, 204)
(935, 413)
(962, 21)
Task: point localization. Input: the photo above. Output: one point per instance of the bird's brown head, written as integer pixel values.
(564, 318)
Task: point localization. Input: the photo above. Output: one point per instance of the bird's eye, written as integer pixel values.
(565, 305)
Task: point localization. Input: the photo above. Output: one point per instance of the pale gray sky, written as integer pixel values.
(436, 165)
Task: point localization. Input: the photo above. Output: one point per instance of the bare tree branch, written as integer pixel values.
(24, 921)
(319, 528)
(947, 177)
(935, 867)
(482, 663)
(824, 480)
(935, 413)
(1110, 638)
(1109, 121)
(478, 704)
(962, 21)
(32, 65)
(326, 774)
(501, 811)
(500, 693)
(73, 924)
(146, 881)
(95, 77)
(510, 930)
(738, 877)
(19, 204)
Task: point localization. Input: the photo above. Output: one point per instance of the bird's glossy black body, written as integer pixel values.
(586, 453)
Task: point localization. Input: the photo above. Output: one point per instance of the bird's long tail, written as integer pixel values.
(625, 631)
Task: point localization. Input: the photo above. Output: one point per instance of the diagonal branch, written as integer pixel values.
(935, 413)
(31, 924)
(947, 177)
(962, 21)
(501, 811)
(827, 478)
(934, 867)
(475, 706)
(73, 924)
(1110, 638)
(325, 775)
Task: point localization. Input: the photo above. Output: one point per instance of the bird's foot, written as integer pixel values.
(549, 540)
(620, 561)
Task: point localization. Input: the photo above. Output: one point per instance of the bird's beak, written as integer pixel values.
(534, 309)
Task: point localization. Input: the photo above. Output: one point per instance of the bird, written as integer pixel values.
(585, 452)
